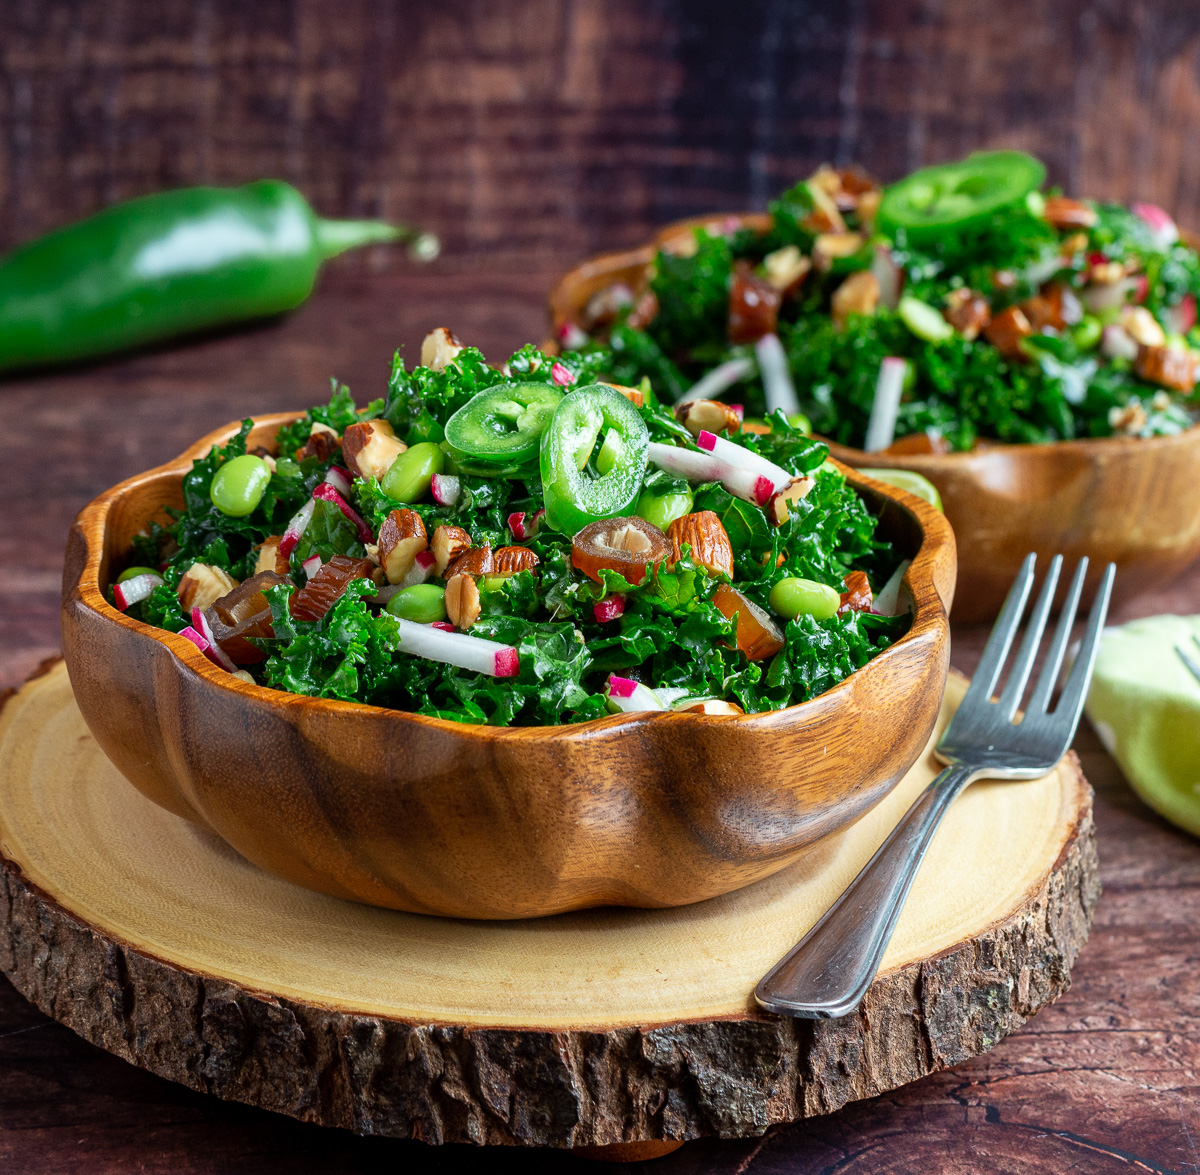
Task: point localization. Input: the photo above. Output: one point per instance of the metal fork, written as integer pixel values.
(829, 970)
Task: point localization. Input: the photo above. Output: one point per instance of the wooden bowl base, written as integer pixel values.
(152, 939)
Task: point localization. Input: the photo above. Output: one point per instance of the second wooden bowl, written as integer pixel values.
(1127, 500)
(421, 814)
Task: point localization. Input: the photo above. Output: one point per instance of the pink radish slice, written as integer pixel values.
(889, 275)
(196, 638)
(296, 528)
(694, 466)
(214, 652)
(445, 488)
(723, 376)
(626, 696)
(1110, 297)
(525, 526)
(458, 648)
(442, 625)
(1161, 226)
(134, 590)
(740, 456)
(1117, 343)
(881, 428)
(561, 376)
(311, 565)
(326, 493)
(887, 603)
(339, 478)
(1182, 316)
(778, 388)
(422, 568)
(571, 336)
(609, 609)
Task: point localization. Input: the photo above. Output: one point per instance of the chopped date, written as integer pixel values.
(325, 588)
(753, 306)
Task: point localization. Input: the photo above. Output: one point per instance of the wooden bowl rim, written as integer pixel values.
(929, 614)
(644, 254)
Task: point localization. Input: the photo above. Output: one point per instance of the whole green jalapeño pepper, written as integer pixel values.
(593, 458)
(502, 425)
(169, 264)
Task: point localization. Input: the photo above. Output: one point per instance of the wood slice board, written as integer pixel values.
(152, 939)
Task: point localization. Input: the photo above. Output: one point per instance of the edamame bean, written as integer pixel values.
(410, 474)
(422, 602)
(1086, 332)
(130, 572)
(662, 509)
(239, 485)
(804, 597)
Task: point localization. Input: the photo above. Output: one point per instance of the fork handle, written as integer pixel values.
(828, 971)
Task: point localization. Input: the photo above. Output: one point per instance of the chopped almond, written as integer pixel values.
(786, 269)
(712, 706)
(369, 448)
(1169, 367)
(269, 558)
(476, 561)
(968, 312)
(447, 544)
(1065, 213)
(1142, 326)
(795, 491)
(633, 395)
(203, 585)
(704, 533)
(510, 560)
(1055, 306)
(699, 416)
(401, 538)
(1006, 330)
(462, 601)
(824, 217)
(868, 206)
(857, 597)
(758, 636)
(439, 348)
(322, 443)
(831, 247)
(858, 294)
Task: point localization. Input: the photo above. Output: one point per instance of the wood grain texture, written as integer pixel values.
(541, 131)
(583, 1030)
(638, 810)
(1102, 1080)
(1120, 499)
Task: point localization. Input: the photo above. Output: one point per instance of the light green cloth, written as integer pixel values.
(1145, 706)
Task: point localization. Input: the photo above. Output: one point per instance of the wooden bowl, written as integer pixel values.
(1128, 500)
(436, 817)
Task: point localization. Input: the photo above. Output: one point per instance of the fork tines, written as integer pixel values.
(995, 653)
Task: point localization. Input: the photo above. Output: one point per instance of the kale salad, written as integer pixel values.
(525, 546)
(961, 304)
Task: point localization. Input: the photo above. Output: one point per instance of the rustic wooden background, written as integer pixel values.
(529, 133)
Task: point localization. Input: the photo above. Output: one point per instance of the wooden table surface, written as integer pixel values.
(1104, 1080)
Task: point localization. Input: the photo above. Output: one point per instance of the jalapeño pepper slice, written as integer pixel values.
(577, 492)
(502, 425)
(957, 195)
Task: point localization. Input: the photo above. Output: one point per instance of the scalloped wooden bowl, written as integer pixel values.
(1131, 501)
(421, 814)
